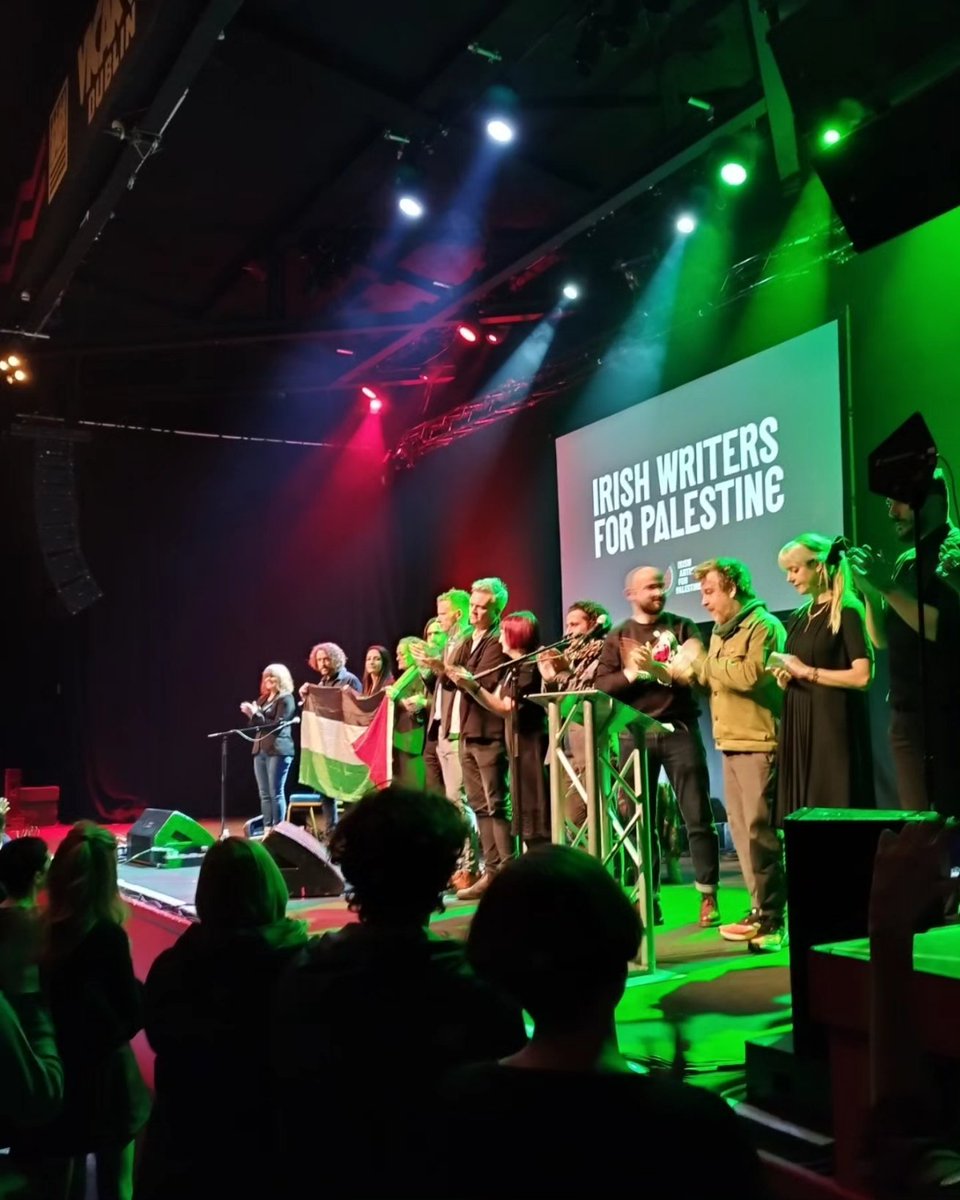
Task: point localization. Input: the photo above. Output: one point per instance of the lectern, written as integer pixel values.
(617, 834)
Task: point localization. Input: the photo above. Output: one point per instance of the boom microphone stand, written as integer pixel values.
(242, 731)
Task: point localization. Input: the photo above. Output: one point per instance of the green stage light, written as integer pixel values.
(733, 173)
(830, 136)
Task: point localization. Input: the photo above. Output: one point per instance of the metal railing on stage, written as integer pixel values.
(615, 795)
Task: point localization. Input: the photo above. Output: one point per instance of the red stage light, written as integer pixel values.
(467, 332)
(369, 393)
(375, 404)
(494, 338)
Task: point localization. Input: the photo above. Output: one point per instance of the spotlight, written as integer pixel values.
(830, 136)
(500, 130)
(411, 207)
(494, 338)
(571, 291)
(733, 173)
(467, 333)
(14, 368)
(686, 223)
(369, 393)
(376, 404)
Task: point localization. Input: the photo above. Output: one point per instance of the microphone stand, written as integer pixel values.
(926, 732)
(561, 644)
(244, 732)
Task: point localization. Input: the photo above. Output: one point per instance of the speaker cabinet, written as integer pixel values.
(303, 862)
(829, 857)
(162, 837)
(885, 76)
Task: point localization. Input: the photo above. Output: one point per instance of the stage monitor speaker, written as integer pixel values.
(162, 835)
(303, 861)
(829, 857)
(885, 76)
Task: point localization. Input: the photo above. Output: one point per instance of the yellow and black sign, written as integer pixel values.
(58, 142)
(102, 48)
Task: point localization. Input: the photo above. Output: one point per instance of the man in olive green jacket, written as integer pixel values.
(745, 702)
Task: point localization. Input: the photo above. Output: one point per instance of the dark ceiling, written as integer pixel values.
(266, 216)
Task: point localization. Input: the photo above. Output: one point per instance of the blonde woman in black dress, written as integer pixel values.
(824, 758)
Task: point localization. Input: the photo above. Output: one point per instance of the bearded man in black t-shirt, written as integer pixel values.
(918, 724)
(634, 668)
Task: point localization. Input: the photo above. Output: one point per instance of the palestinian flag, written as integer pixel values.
(345, 742)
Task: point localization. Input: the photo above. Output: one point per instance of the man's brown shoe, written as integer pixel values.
(476, 890)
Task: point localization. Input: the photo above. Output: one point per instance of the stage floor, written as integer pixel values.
(718, 992)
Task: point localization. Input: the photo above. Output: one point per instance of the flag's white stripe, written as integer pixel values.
(324, 736)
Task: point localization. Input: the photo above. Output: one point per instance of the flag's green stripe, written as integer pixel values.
(343, 781)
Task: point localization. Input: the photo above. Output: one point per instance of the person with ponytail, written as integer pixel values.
(827, 665)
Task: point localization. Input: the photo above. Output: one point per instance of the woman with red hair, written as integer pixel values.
(526, 726)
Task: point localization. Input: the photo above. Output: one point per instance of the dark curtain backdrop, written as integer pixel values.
(217, 557)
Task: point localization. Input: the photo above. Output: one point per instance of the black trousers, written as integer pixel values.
(682, 756)
(431, 763)
(907, 745)
(484, 763)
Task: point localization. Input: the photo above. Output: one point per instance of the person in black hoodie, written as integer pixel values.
(378, 1011)
(207, 1006)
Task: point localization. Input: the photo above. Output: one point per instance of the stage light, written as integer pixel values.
(376, 404)
(500, 130)
(733, 173)
(369, 393)
(411, 207)
(571, 291)
(830, 136)
(686, 223)
(494, 338)
(467, 333)
(14, 368)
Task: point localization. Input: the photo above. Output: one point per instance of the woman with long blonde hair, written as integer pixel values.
(824, 757)
(95, 1000)
(273, 747)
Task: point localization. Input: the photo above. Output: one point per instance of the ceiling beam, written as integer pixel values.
(265, 337)
(783, 132)
(194, 52)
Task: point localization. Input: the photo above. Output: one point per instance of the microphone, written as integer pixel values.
(292, 721)
(838, 547)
